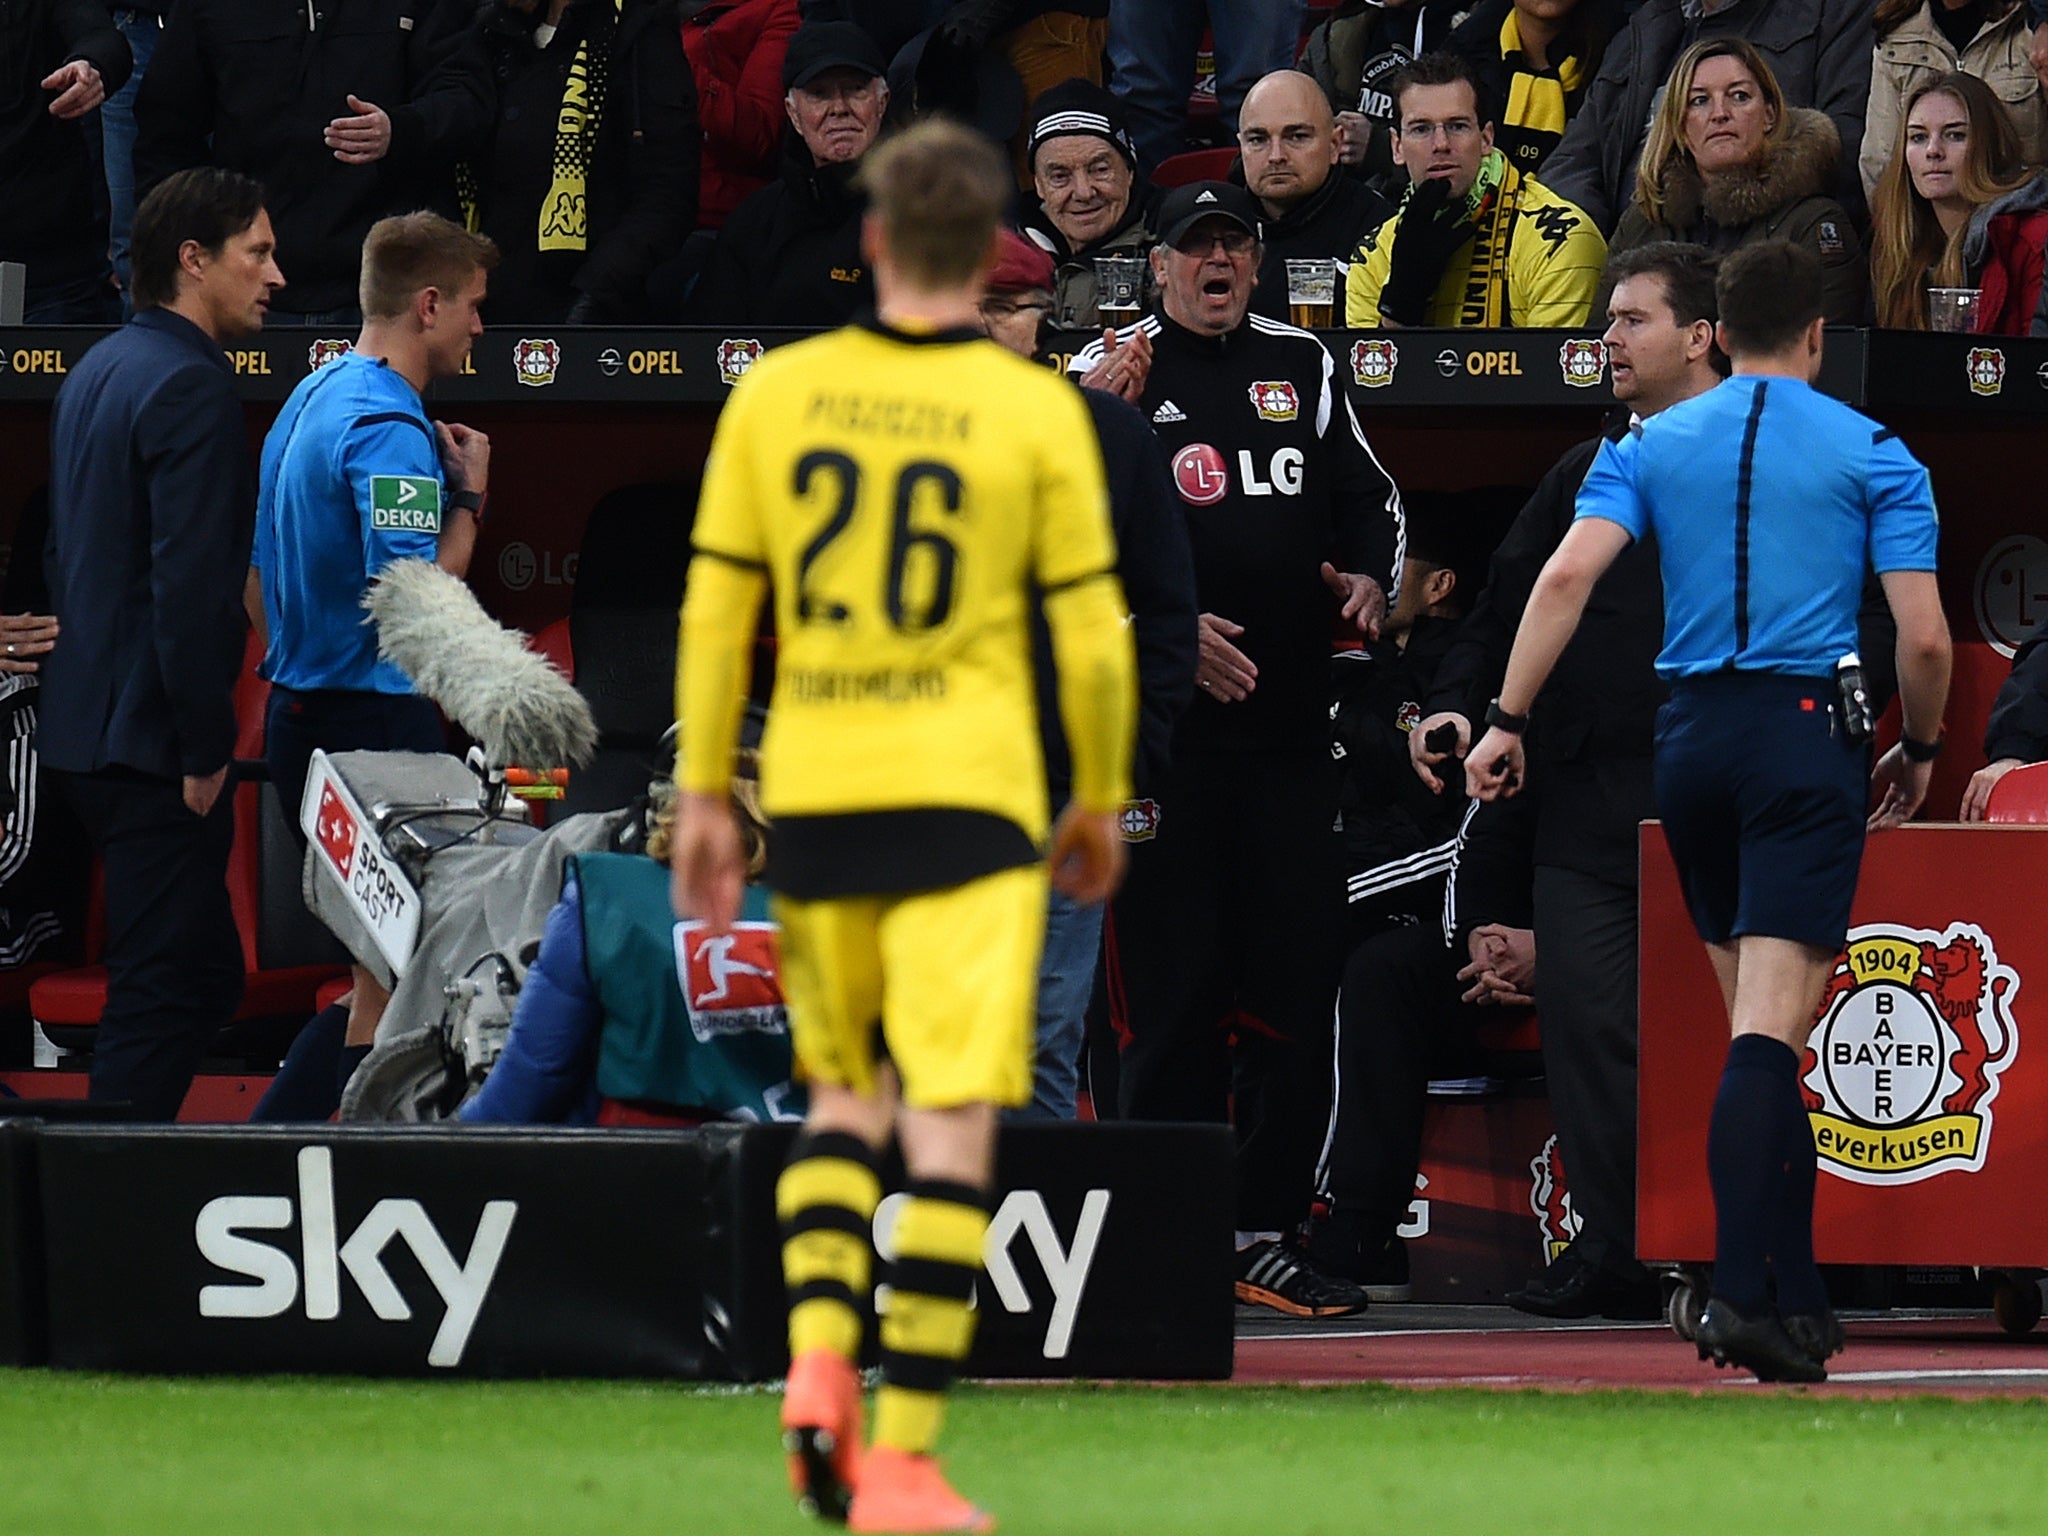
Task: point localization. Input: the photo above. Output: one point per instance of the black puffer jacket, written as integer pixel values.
(247, 84)
(1818, 49)
(56, 208)
(640, 187)
(790, 254)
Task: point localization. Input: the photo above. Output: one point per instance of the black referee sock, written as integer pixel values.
(1746, 1165)
(1800, 1287)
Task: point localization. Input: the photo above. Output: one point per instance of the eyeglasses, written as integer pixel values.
(1001, 308)
(1422, 131)
(1235, 242)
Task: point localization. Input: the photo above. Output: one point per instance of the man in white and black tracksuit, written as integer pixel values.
(1227, 940)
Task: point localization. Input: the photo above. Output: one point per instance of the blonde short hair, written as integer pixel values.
(414, 251)
(939, 190)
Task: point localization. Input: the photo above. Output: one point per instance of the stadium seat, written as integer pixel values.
(552, 642)
(2020, 798)
(1195, 165)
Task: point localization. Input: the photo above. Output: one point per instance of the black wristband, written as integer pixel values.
(1919, 751)
(470, 501)
(1500, 719)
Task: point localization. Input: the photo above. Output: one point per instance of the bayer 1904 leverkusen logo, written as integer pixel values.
(1552, 1201)
(1900, 1074)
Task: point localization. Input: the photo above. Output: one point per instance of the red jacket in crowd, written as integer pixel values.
(736, 49)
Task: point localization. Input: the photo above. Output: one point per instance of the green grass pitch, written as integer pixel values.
(223, 1457)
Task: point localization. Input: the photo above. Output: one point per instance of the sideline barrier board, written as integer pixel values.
(506, 1253)
(1109, 1252)
(1926, 1080)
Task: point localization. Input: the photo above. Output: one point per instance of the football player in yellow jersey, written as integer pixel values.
(906, 490)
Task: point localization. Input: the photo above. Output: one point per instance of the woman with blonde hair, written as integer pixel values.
(1957, 207)
(1918, 40)
(1728, 163)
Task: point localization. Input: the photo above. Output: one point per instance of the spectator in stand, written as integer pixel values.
(1918, 40)
(1818, 51)
(342, 124)
(1152, 45)
(1538, 57)
(1958, 208)
(2037, 18)
(1287, 144)
(141, 22)
(1476, 242)
(736, 48)
(591, 176)
(2017, 732)
(1158, 577)
(151, 511)
(1354, 57)
(61, 58)
(1730, 163)
(790, 254)
(1091, 200)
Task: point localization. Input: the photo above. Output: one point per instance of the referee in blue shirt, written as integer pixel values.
(1768, 501)
(354, 476)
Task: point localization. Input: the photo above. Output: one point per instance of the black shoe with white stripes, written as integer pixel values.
(1274, 1274)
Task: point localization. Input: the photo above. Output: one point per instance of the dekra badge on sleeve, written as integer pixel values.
(405, 503)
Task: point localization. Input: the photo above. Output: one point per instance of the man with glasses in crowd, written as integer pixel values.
(1227, 940)
(1476, 242)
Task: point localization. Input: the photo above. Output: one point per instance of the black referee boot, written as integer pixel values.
(1818, 1333)
(1757, 1344)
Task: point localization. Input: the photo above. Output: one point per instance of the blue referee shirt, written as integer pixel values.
(1769, 501)
(351, 481)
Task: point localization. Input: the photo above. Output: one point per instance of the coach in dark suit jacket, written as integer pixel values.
(152, 510)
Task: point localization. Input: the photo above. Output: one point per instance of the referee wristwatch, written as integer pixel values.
(1500, 719)
(1919, 751)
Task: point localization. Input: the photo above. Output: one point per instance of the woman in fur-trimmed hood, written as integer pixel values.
(1728, 163)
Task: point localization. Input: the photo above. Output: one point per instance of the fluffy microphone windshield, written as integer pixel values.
(521, 710)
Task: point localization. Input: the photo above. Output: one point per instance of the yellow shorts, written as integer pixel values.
(949, 979)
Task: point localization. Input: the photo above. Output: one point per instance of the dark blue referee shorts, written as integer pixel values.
(1763, 801)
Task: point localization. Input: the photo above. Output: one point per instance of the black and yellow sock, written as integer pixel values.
(826, 1202)
(929, 1322)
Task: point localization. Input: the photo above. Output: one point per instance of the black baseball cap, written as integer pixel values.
(1184, 207)
(827, 45)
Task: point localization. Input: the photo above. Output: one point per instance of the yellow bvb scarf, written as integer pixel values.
(564, 212)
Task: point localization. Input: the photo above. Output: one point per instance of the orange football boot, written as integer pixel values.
(905, 1495)
(821, 1432)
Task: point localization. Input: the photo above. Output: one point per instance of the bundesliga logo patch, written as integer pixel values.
(730, 981)
(1914, 1029)
(1275, 400)
(405, 503)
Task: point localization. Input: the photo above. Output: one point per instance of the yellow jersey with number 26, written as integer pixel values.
(907, 498)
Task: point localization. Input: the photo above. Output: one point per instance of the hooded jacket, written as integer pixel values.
(1917, 50)
(1354, 54)
(790, 254)
(1786, 198)
(250, 85)
(1073, 278)
(1819, 50)
(641, 181)
(55, 223)
(2002, 250)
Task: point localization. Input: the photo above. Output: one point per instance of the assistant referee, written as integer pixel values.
(1767, 500)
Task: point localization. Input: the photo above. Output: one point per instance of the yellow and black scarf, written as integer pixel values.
(1540, 101)
(564, 223)
(1493, 205)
